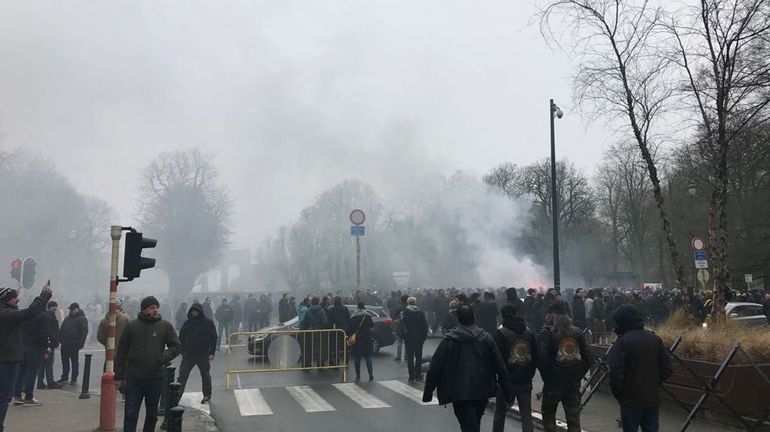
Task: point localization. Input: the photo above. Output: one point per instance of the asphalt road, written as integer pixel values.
(299, 401)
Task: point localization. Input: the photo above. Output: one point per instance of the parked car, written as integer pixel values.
(750, 314)
(382, 333)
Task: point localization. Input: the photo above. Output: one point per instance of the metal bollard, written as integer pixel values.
(86, 378)
(174, 396)
(175, 419)
(168, 378)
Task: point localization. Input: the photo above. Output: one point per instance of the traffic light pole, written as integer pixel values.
(108, 395)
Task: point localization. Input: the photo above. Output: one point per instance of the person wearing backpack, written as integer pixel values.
(563, 360)
(518, 348)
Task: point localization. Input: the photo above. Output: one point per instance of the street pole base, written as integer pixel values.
(107, 403)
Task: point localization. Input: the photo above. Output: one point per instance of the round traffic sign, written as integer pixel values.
(357, 217)
(698, 243)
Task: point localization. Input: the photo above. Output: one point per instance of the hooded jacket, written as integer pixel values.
(147, 344)
(548, 341)
(316, 318)
(74, 330)
(416, 325)
(639, 362)
(198, 335)
(467, 366)
(10, 321)
(486, 315)
(35, 333)
(121, 322)
(513, 330)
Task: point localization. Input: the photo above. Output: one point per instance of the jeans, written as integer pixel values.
(69, 356)
(633, 418)
(8, 372)
(523, 395)
(28, 374)
(223, 328)
(136, 391)
(357, 364)
(414, 360)
(203, 366)
(569, 396)
(45, 373)
(469, 414)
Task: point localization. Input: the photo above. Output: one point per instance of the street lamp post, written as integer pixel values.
(555, 111)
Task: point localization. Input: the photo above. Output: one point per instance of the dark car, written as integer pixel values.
(382, 333)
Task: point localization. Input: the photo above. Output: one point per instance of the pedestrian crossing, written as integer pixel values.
(254, 402)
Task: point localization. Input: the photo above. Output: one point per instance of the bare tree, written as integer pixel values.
(504, 177)
(622, 75)
(722, 46)
(182, 204)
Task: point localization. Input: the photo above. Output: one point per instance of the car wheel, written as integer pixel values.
(375, 346)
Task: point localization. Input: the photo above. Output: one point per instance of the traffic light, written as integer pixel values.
(16, 269)
(28, 271)
(133, 261)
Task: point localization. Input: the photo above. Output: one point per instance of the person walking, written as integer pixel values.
(45, 378)
(199, 341)
(639, 364)
(465, 371)
(399, 328)
(72, 337)
(533, 307)
(224, 316)
(11, 353)
(518, 348)
(487, 313)
(563, 360)
(579, 317)
(361, 326)
(416, 332)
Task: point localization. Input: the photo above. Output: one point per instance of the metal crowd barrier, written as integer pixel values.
(286, 350)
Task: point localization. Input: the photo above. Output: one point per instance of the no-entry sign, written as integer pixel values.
(357, 217)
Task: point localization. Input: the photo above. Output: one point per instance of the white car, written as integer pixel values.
(750, 314)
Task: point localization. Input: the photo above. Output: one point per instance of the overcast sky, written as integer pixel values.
(291, 96)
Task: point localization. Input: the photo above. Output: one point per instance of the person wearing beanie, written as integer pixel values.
(563, 360)
(639, 363)
(121, 322)
(148, 344)
(199, 344)
(518, 348)
(11, 353)
(72, 336)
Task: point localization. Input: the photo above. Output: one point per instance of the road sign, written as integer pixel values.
(357, 230)
(748, 277)
(701, 264)
(700, 255)
(698, 244)
(357, 217)
(401, 278)
(703, 276)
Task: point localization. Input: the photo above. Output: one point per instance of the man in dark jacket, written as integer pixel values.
(639, 364)
(180, 316)
(250, 313)
(237, 308)
(533, 307)
(338, 317)
(45, 374)
(466, 369)
(518, 349)
(199, 341)
(207, 309)
(11, 353)
(224, 316)
(284, 309)
(579, 309)
(315, 319)
(35, 341)
(563, 360)
(72, 337)
(147, 344)
(486, 313)
(416, 332)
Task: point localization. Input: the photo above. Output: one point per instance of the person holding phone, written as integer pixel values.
(11, 352)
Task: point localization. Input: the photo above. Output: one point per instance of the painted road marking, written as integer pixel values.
(360, 396)
(251, 402)
(309, 399)
(404, 389)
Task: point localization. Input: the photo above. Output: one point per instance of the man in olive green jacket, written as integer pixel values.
(147, 344)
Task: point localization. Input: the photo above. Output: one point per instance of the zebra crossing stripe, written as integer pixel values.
(410, 392)
(251, 403)
(360, 396)
(309, 399)
(192, 400)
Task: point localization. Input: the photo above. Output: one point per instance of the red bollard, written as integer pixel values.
(108, 401)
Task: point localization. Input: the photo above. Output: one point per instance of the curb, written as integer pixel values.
(513, 412)
(203, 421)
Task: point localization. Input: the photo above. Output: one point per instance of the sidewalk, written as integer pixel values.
(603, 413)
(62, 411)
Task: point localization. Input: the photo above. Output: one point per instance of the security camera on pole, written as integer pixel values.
(133, 264)
(357, 218)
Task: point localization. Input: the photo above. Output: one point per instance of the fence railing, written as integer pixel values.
(286, 350)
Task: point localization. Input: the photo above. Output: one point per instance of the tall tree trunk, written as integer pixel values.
(718, 240)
